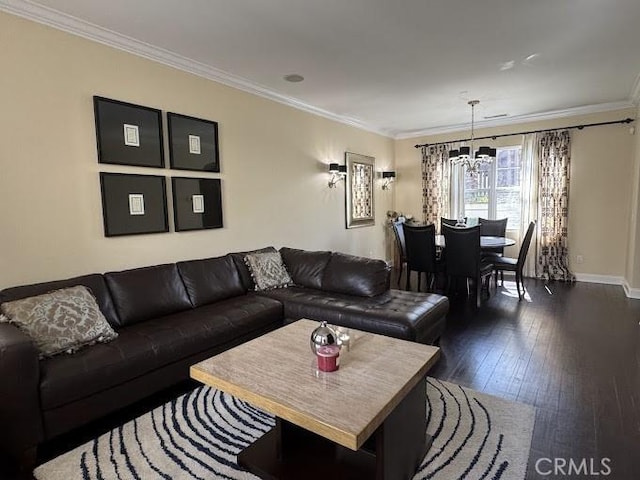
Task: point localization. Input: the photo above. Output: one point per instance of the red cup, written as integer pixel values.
(328, 358)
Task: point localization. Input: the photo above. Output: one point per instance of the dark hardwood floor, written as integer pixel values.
(572, 351)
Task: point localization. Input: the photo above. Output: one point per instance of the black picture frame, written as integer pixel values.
(183, 152)
(128, 134)
(185, 207)
(121, 213)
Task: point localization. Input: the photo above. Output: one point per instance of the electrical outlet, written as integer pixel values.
(579, 259)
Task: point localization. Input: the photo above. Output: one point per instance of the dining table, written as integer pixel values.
(486, 241)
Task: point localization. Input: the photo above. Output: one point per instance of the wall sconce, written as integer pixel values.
(338, 172)
(388, 178)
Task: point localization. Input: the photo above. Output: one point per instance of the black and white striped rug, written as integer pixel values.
(198, 435)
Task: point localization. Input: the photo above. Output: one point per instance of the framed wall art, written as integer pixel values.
(133, 204)
(193, 143)
(128, 134)
(197, 203)
(359, 202)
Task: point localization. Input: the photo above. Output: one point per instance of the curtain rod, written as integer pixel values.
(493, 137)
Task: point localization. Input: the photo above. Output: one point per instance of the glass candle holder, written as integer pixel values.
(328, 358)
(343, 337)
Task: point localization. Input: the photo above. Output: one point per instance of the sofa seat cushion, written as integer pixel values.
(407, 315)
(146, 346)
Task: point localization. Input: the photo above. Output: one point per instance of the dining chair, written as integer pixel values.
(420, 242)
(463, 257)
(493, 228)
(507, 264)
(398, 230)
(452, 222)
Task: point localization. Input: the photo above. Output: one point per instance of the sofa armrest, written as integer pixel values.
(20, 414)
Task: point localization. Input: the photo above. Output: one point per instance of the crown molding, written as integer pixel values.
(70, 24)
(533, 117)
(67, 23)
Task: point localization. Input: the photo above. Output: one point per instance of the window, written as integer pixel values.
(495, 192)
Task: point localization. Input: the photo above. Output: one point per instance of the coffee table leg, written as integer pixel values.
(401, 441)
(393, 452)
(292, 453)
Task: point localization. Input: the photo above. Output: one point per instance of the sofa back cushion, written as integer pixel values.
(306, 268)
(149, 292)
(353, 275)
(94, 282)
(211, 279)
(243, 270)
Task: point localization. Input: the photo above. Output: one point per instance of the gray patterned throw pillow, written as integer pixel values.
(60, 321)
(268, 270)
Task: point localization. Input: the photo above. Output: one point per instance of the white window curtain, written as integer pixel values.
(456, 196)
(529, 199)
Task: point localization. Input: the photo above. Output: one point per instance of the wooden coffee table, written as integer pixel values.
(366, 420)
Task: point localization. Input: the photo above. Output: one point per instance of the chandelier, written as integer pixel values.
(466, 156)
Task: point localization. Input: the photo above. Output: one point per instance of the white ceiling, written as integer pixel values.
(401, 68)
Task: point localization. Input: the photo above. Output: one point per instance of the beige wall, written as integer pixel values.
(602, 181)
(633, 264)
(273, 159)
(273, 168)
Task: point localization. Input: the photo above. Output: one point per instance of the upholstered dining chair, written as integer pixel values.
(398, 230)
(452, 222)
(507, 264)
(493, 228)
(421, 253)
(463, 257)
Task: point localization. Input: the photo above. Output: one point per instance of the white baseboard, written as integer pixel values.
(606, 279)
(631, 292)
(609, 280)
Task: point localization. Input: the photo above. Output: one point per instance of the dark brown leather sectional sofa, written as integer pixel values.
(171, 316)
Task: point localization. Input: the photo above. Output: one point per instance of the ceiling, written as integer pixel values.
(401, 68)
